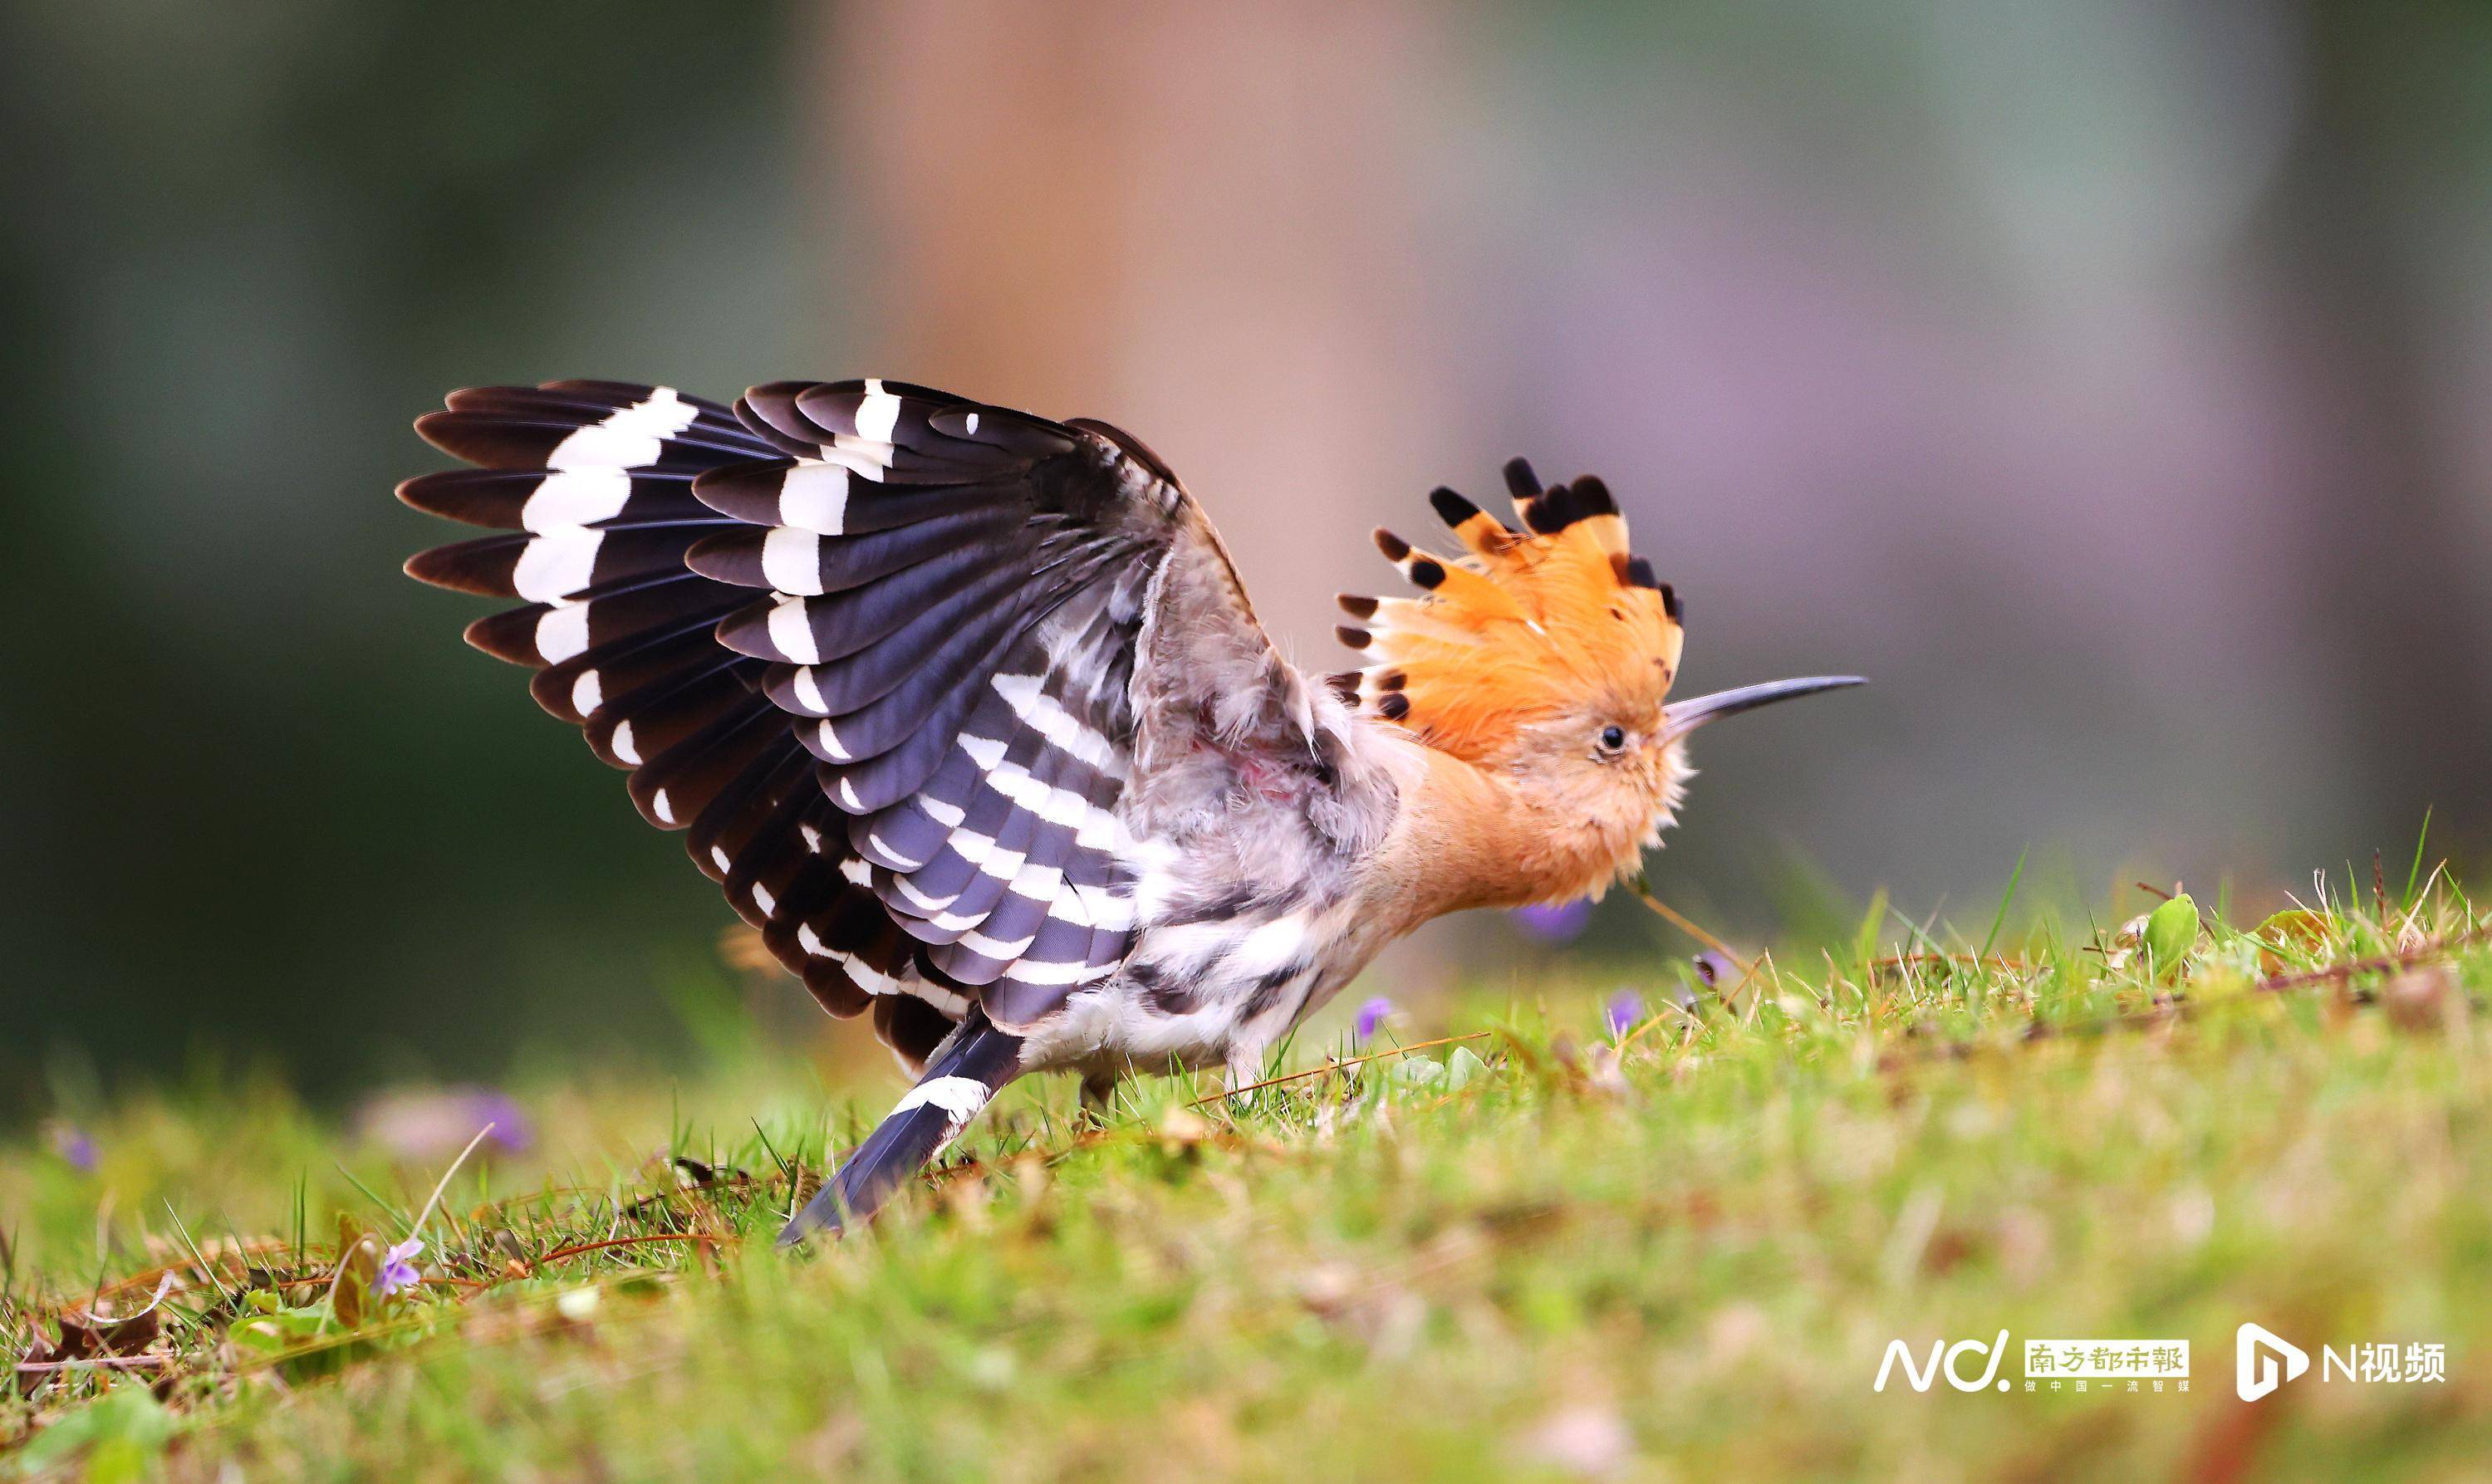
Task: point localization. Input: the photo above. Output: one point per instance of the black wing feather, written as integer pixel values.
(903, 759)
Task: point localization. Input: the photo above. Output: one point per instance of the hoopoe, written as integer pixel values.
(968, 713)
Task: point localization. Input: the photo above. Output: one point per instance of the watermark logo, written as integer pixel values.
(2079, 1362)
(2050, 1365)
(2258, 1352)
(2264, 1360)
(1945, 1360)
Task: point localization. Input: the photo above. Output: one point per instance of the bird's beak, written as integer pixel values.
(1681, 717)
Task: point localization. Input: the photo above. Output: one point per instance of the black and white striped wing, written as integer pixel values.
(954, 593)
(902, 761)
(593, 481)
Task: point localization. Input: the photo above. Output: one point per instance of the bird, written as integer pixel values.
(968, 713)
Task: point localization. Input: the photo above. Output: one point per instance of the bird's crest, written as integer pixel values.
(1526, 624)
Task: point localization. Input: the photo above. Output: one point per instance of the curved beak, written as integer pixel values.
(1681, 717)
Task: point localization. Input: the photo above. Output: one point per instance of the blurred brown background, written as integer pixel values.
(2105, 380)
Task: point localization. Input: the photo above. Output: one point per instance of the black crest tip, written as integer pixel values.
(1593, 495)
(1451, 508)
(1551, 513)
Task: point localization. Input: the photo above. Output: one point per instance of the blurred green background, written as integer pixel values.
(2104, 379)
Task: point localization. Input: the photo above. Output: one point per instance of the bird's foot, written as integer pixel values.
(1098, 1097)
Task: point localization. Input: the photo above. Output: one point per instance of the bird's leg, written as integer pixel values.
(1244, 1070)
(1098, 1094)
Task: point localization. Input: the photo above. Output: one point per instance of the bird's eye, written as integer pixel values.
(1614, 739)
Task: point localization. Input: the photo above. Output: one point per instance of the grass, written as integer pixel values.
(1545, 1249)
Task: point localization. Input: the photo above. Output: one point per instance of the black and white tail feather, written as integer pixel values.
(874, 650)
(960, 1079)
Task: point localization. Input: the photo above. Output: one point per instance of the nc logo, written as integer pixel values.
(1944, 1357)
(2256, 1352)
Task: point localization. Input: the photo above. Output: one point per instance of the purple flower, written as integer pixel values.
(75, 1145)
(429, 1124)
(1558, 923)
(1716, 970)
(1625, 1010)
(397, 1269)
(1371, 1015)
(512, 1131)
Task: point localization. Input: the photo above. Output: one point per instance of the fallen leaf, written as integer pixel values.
(2296, 928)
(359, 1267)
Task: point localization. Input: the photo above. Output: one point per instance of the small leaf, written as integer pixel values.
(260, 1335)
(1419, 1072)
(2170, 936)
(272, 1329)
(1461, 1067)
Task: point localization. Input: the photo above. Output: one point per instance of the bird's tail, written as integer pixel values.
(966, 1071)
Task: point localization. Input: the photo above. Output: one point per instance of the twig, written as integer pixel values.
(1678, 920)
(426, 1214)
(630, 1241)
(2166, 1012)
(101, 1363)
(2386, 963)
(1335, 1066)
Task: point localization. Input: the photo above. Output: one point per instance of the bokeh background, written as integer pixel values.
(2106, 379)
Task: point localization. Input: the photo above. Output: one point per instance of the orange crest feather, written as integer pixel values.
(1557, 616)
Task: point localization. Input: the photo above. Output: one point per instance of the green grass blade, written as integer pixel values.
(1998, 919)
